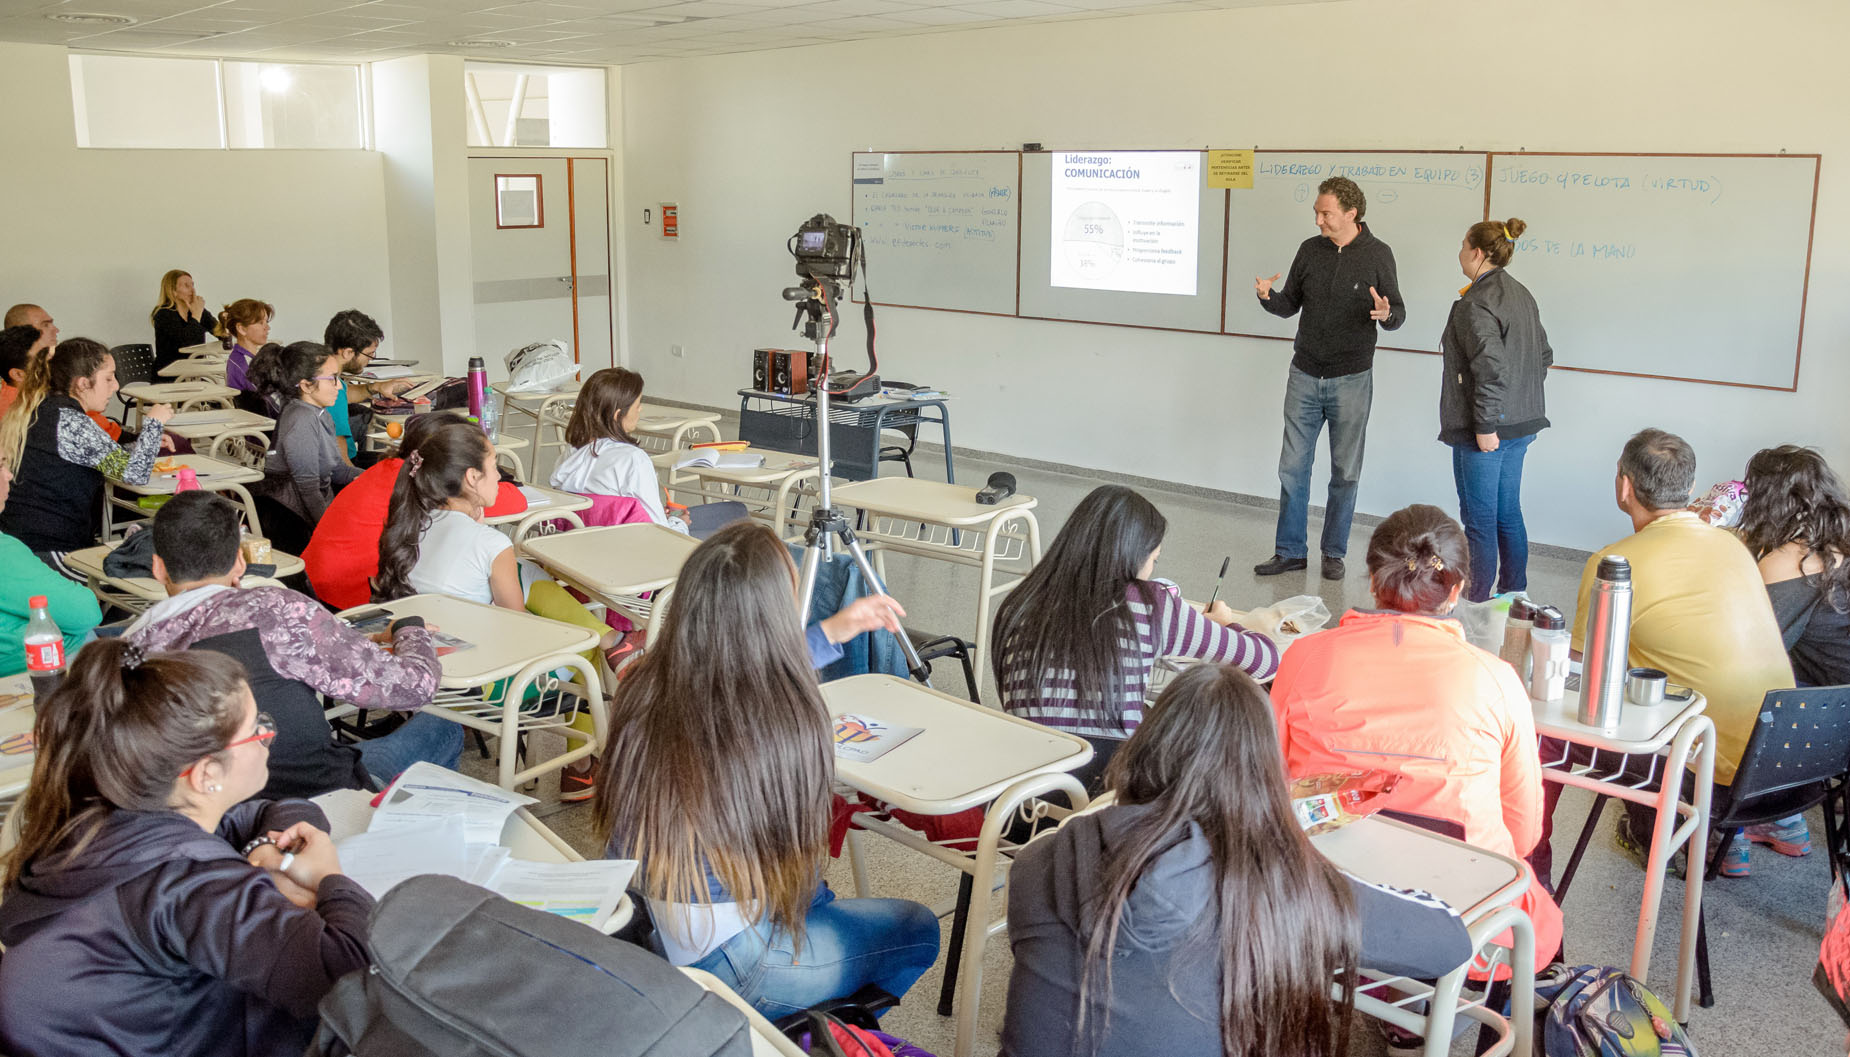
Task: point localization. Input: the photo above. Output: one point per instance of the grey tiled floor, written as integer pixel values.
(1764, 931)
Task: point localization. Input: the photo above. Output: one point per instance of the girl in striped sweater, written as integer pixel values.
(1075, 642)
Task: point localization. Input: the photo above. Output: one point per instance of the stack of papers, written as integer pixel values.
(433, 820)
(535, 497)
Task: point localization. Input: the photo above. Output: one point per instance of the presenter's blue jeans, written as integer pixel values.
(1490, 502)
(847, 944)
(1310, 402)
(424, 737)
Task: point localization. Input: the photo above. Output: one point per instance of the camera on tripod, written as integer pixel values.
(825, 249)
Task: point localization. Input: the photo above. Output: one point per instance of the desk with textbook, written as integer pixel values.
(964, 755)
(770, 490)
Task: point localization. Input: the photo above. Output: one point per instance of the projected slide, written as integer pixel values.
(1126, 220)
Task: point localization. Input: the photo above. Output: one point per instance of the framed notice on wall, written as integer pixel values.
(517, 201)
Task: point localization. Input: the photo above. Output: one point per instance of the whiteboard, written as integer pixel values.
(1677, 267)
(940, 230)
(1419, 203)
(1041, 299)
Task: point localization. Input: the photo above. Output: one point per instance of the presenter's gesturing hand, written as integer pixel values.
(1264, 286)
(1382, 309)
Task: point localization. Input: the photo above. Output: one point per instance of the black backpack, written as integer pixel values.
(461, 972)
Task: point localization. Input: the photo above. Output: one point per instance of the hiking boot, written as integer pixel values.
(1787, 836)
(1280, 564)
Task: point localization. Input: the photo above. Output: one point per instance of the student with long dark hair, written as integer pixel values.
(434, 540)
(1192, 916)
(61, 457)
(152, 906)
(1398, 688)
(1796, 524)
(343, 556)
(1074, 642)
(716, 776)
(303, 468)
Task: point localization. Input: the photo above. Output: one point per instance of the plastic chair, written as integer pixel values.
(1798, 748)
(933, 647)
(134, 364)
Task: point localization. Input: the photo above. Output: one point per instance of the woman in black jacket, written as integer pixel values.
(149, 906)
(1192, 917)
(1490, 403)
(180, 320)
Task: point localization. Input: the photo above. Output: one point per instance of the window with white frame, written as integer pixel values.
(212, 104)
(535, 106)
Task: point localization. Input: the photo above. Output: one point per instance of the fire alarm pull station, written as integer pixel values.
(671, 221)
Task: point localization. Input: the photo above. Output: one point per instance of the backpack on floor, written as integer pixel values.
(461, 972)
(1593, 1011)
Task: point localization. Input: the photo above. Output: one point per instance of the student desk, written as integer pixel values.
(616, 564)
(788, 423)
(214, 476)
(1677, 734)
(774, 488)
(965, 756)
(524, 651)
(675, 427)
(545, 406)
(944, 521)
(1483, 887)
(177, 393)
(16, 746)
(137, 593)
(557, 504)
(201, 368)
(210, 424)
(525, 837)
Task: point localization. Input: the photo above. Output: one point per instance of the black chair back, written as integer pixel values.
(1801, 738)
(134, 364)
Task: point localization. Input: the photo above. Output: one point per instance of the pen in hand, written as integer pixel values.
(1217, 580)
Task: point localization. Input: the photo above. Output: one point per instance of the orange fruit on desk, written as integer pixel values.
(394, 430)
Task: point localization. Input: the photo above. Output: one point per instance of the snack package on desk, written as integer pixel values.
(1324, 802)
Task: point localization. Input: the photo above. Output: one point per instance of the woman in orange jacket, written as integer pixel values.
(1399, 689)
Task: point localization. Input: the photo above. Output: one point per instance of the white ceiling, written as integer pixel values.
(603, 32)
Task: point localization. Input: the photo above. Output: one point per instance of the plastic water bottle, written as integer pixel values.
(491, 414)
(1607, 644)
(1516, 635)
(44, 648)
(186, 480)
(478, 386)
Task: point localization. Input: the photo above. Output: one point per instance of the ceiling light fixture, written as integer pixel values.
(481, 43)
(91, 19)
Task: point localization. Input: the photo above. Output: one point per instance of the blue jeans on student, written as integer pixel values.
(847, 944)
(1490, 504)
(424, 738)
(1309, 403)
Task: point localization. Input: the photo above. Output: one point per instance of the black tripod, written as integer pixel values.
(826, 523)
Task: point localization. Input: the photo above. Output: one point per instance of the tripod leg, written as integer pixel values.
(812, 565)
(920, 670)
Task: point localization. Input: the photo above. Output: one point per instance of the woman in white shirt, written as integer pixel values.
(434, 540)
(604, 458)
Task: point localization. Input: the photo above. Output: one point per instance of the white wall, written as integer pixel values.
(750, 145)
(89, 232)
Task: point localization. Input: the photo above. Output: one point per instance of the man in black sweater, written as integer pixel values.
(1343, 280)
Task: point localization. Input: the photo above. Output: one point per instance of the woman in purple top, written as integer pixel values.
(1075, 641)
(246, 322)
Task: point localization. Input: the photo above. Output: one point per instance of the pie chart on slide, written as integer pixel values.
(1094, 240)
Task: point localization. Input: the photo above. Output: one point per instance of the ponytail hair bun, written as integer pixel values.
(1496, 238)
(1415, 558)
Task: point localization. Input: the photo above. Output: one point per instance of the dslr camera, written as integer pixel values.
(825, 249)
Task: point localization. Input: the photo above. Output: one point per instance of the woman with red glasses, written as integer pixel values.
(150, 906)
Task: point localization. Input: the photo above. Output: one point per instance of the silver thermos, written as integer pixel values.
(1606, 643)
